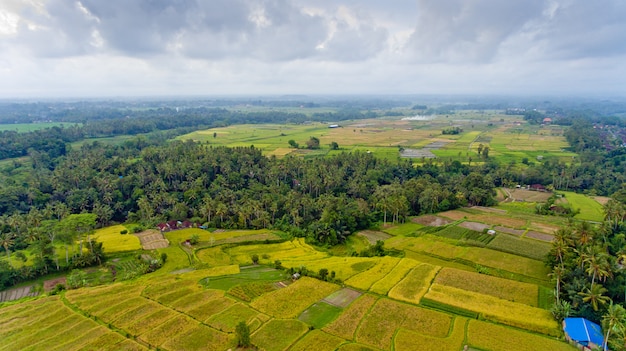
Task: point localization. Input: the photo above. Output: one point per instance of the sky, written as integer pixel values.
(108, 48)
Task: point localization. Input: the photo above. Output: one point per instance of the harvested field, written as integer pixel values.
(479, 227)
(492, 218)
(602, 200)
(152, 239)
(517, 232)
(529, 195)
(373, 236)
(539, 236)
(431, 221)
(17, 293)
(488, 209)
(544, 228)
(454, 215)
(342, 298)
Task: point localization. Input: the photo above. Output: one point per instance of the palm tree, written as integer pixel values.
(598, 265)
(595, 296)
(614, 318)
(6, 240)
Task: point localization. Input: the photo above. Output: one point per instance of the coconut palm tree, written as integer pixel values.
(613, 319)
(595, 296)
(6, 240)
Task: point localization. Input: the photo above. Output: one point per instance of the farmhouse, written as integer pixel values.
(583, 333)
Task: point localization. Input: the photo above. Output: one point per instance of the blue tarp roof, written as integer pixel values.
(583, 331)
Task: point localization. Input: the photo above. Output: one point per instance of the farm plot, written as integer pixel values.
(151, 321)
(398, 273)
(167, 330)
(246, 275)
(484, 284)
(415, 284)
(194, 300)
(539, 236)
(413, 341)
(347, 323)
(113, 241)
(516, 232)
(344, 267)
(319, 314)
(365, 279)
(373, 236)
(590, 209)
(495, 309)
(17, 293)
(152, 239)
(199, 274)
(520, 246)
(317, 340)
(219, 237)
(431, 221)
(228, 319)
(132, 315)
(291, 250)
(213, 256)
(278, 334)
(295, 298)
(249, 291)
(210, 307)
(199, 338)
(403, 229)
(482, 217)
(491, 337)
(342, 298)
(387, 316)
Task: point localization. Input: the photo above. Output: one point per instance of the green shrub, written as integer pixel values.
(125, 231)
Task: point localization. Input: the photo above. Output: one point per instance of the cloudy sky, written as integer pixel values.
(222, 47)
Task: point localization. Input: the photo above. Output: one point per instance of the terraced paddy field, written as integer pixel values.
(433, 298)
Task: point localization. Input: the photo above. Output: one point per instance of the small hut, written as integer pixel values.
(583, 333)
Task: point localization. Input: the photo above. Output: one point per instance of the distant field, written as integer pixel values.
(590, 209)
(29, 127)
(384, 137)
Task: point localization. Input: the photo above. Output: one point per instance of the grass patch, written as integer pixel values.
(247, 275)
(405, 229)
(344, 267)
(590, 209)
(319, 314)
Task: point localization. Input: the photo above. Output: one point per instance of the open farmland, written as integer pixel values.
(113, 241)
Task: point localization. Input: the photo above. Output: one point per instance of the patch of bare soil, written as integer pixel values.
(342, 298)
(373, 236)
(517, 232)
(17, 293)
(479, 227)
(529, 195)
(152, 239)
(431, 221)
(540, 236)
(488, 209)
(602, 200)
(50, 284)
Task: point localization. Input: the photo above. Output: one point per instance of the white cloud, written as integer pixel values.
(116, 47)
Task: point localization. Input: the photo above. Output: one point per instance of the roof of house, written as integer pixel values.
(583, 331)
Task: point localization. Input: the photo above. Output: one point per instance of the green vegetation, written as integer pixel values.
(320, 314)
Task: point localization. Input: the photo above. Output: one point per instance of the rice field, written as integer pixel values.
(484, 284)
(113, 241)
(278, 334)
(344, 267)
(398, 273)
(365, 279)
(415, 284)
(387, 317)
(495, 309)
(317, 340)
(590, 209)
(347, 323)
(413, 341)
(292, 250)
(534, 249)
(227, 320)
(492, 337)
(289, 302)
